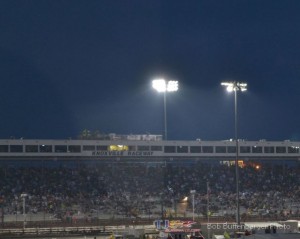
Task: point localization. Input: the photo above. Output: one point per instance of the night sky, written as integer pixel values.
(71, 65)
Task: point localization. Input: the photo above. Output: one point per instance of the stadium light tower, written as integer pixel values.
(161, 85)
(236, 86)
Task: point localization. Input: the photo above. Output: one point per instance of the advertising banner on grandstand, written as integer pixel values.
(123, 153)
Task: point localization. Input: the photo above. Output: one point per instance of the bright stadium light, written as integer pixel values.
(236, 86)
(161, 85)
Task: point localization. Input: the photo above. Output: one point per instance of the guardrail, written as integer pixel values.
(52, 231)
(71, 231)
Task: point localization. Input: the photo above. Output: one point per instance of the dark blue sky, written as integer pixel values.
(71, 65)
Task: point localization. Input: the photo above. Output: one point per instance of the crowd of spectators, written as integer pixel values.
(131, 189)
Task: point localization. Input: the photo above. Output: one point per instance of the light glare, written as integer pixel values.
(172, 86)
(234, 86)
(162, 85)
(229, 88)
(159, 85)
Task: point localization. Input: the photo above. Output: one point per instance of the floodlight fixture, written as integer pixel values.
(234, 86)
(161, 85)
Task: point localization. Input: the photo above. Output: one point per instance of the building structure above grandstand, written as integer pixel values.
(146, 147)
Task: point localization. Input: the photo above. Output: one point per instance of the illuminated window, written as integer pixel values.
(118, 147)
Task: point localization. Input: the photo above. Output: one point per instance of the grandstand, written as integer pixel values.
(144, 178)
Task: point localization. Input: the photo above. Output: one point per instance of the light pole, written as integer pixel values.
(23, 196)
(207, 208)
(193, 198)
(162, 206)
(236, 86)
(161, 85)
